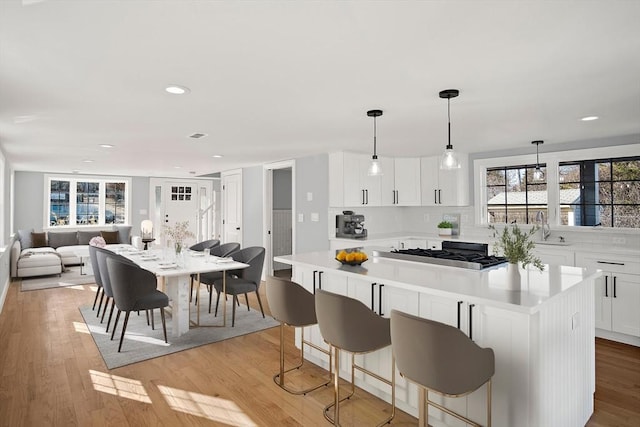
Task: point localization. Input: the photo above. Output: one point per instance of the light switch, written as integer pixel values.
(315, 217)
(300, 217)
(309, 197)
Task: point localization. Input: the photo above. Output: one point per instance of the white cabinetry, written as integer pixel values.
(444, 187)
(617, 295)
(350, 185)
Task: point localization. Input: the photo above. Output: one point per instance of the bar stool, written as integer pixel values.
(349, 325)
(293, 305)
(440, 358)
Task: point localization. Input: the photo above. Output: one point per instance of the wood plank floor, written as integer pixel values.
(51, 373)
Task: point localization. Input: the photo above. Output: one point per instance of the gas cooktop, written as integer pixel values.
(472, 256)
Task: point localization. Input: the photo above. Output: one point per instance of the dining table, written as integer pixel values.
(177, 271)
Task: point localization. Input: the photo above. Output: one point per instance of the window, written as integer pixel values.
(600, 192)
(87, 201)
(514, 196)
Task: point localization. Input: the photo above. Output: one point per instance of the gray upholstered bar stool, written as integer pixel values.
(349, 325)
(440, 358)
(292, 305)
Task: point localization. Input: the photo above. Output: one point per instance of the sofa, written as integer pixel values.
(37, 254)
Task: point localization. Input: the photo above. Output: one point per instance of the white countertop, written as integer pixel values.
(487, 286)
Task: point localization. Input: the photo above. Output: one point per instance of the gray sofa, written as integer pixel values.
(59, 252)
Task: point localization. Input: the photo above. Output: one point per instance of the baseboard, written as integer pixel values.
(618, 337)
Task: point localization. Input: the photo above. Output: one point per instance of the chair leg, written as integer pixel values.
(106, 304)
(217, 302)
(259, 302)
(100, 303)
(153, 323)
(147, 313)
(233, 315)
(115, 324)
(164, 324)
(113, 305)
(423, 409)
(95, 300)
(124, 328)
(246, 298)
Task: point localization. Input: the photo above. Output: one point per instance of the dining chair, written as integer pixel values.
(292, 305)
(98, 280)
(224, 250)
(244, 280)
(134, 288)
(206, 244)
(347, 324)
(440, 358)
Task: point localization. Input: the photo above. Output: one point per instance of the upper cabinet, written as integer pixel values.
(350, 185)
(444, 187)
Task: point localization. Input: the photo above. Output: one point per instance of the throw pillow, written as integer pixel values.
(110, 237)
(84, 237)
(124, 233)
(38, 240)
(24, 236)
(63, 238)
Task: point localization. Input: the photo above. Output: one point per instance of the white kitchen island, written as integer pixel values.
(542, 336)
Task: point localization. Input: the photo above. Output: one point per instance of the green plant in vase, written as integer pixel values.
(517, 245)
(445, 228)
(178, 234)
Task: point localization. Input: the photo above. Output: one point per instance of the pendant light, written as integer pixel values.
(538, 175)
(449, 159)
(375, 169)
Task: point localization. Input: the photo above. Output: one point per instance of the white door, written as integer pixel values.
(181, 204)
(232, 207)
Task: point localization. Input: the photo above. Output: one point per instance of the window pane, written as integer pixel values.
(626, 170)
(495, 195)
(59, 202)
(87, 203)
(604, 171)
(495, 177)
(626, 192)
(516, 179)
(115, 203)
(569, 173)
(626, 216)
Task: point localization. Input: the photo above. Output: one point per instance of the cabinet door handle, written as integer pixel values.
(471, 321)
(439, 197)
(362, 197)
(380, 299)
(373, 285)
(367, 193)
(435, 197)
(614, 287)
(606, 286)
(397, 197)
(459, 304)
(610, 262)
(314, 281)
(320, 279)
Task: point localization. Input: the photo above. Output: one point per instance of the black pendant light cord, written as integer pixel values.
(449, 146)
(375, 154)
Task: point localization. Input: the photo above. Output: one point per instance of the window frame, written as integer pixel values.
(73, 182)
(552, 161)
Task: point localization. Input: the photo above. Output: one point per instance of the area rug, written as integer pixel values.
(70, 277)
(142, 343)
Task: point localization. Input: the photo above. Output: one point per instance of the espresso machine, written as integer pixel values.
(350, 226)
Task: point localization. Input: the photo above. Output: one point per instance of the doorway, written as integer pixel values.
(279, 216)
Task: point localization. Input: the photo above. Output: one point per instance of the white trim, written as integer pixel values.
(552, 160)
(267, 191)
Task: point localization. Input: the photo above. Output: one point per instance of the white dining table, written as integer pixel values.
(177, 278)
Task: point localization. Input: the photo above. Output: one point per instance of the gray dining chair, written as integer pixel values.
(98, 280)
(206, 244)
(292, 305)
(347, 324)
(224, 250)
(134, 288)
(244, 280)
(440, 358)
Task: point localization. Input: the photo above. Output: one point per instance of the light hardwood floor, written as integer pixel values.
(51, 373)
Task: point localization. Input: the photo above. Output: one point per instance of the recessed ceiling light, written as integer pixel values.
(589, 118)
(88, 161)
(106, 145)
(216, 156)
(177, 90)
(177, 167)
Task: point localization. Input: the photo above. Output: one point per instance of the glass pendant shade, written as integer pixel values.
(449, 159)
(538, 175)
(375, 169)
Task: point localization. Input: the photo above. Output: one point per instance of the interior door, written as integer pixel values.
(181, 204)
(232, 207)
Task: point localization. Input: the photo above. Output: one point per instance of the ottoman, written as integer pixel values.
(39, 262)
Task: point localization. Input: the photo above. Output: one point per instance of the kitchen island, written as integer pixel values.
(542, 336)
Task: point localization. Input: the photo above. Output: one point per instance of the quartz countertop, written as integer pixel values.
(487, 286)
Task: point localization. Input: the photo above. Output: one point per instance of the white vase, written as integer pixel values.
(444, 231)
(513, 276)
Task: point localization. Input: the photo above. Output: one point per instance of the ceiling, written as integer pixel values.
(275, 80)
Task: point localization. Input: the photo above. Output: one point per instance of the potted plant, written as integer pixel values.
(516, 246)
(445, 228)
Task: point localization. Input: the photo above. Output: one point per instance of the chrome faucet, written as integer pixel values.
(545, 230)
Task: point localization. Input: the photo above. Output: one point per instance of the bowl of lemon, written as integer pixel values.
(351, 257)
